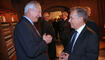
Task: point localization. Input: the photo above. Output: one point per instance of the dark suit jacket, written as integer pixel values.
(47, 27)
(86, 46)
(64, 31)
(91, 24)
(29, 46)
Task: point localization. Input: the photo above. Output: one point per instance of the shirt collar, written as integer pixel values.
(80, 29)
(29, 20)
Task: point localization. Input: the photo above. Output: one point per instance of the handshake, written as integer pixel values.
(64, 56)
(47, 38)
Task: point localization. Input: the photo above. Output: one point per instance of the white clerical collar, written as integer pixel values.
(80, 29)
(29, 20)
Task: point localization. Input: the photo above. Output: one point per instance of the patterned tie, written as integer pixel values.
(36, 31)
(72, 42)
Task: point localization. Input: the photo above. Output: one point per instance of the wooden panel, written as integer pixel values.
(101, 20)
(7, 40)
(7, 49)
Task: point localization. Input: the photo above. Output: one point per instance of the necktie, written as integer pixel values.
(36, 31)
(72, 41)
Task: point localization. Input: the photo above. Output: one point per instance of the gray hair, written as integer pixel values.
(31, 5)
(80, 12)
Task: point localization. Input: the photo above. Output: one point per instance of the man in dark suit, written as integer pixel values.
(47, 27)
(64, 28)
(83, 44)
(28, 41)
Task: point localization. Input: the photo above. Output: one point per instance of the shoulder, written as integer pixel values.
(90, 32)
(91, 22)
(23, 23)
(91, 37)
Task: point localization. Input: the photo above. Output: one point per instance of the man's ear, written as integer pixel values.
(81, 19)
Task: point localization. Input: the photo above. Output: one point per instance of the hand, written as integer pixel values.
(47, 38)
(63, 56)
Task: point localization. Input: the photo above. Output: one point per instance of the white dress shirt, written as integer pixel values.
(29, 20)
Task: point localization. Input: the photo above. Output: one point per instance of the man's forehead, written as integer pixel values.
(38, 9)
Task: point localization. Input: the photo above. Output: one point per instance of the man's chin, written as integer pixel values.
(36, 21)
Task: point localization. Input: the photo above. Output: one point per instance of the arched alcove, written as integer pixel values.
(56, 10)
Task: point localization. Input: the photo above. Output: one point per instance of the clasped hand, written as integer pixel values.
(63, 56)
(47, 38)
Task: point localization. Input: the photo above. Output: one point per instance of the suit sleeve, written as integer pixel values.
(29, 42)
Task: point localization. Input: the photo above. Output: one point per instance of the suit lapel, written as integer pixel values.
(70, 35)
(26, 21)
(80, 39)
(30, 26)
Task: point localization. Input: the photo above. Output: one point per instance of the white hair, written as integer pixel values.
(31, 5)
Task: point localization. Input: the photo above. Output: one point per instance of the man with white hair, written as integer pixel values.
(28, 41)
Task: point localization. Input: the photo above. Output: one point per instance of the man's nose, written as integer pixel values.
(40, 15)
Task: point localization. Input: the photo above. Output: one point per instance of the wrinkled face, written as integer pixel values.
(74, 20)
(35, 14)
